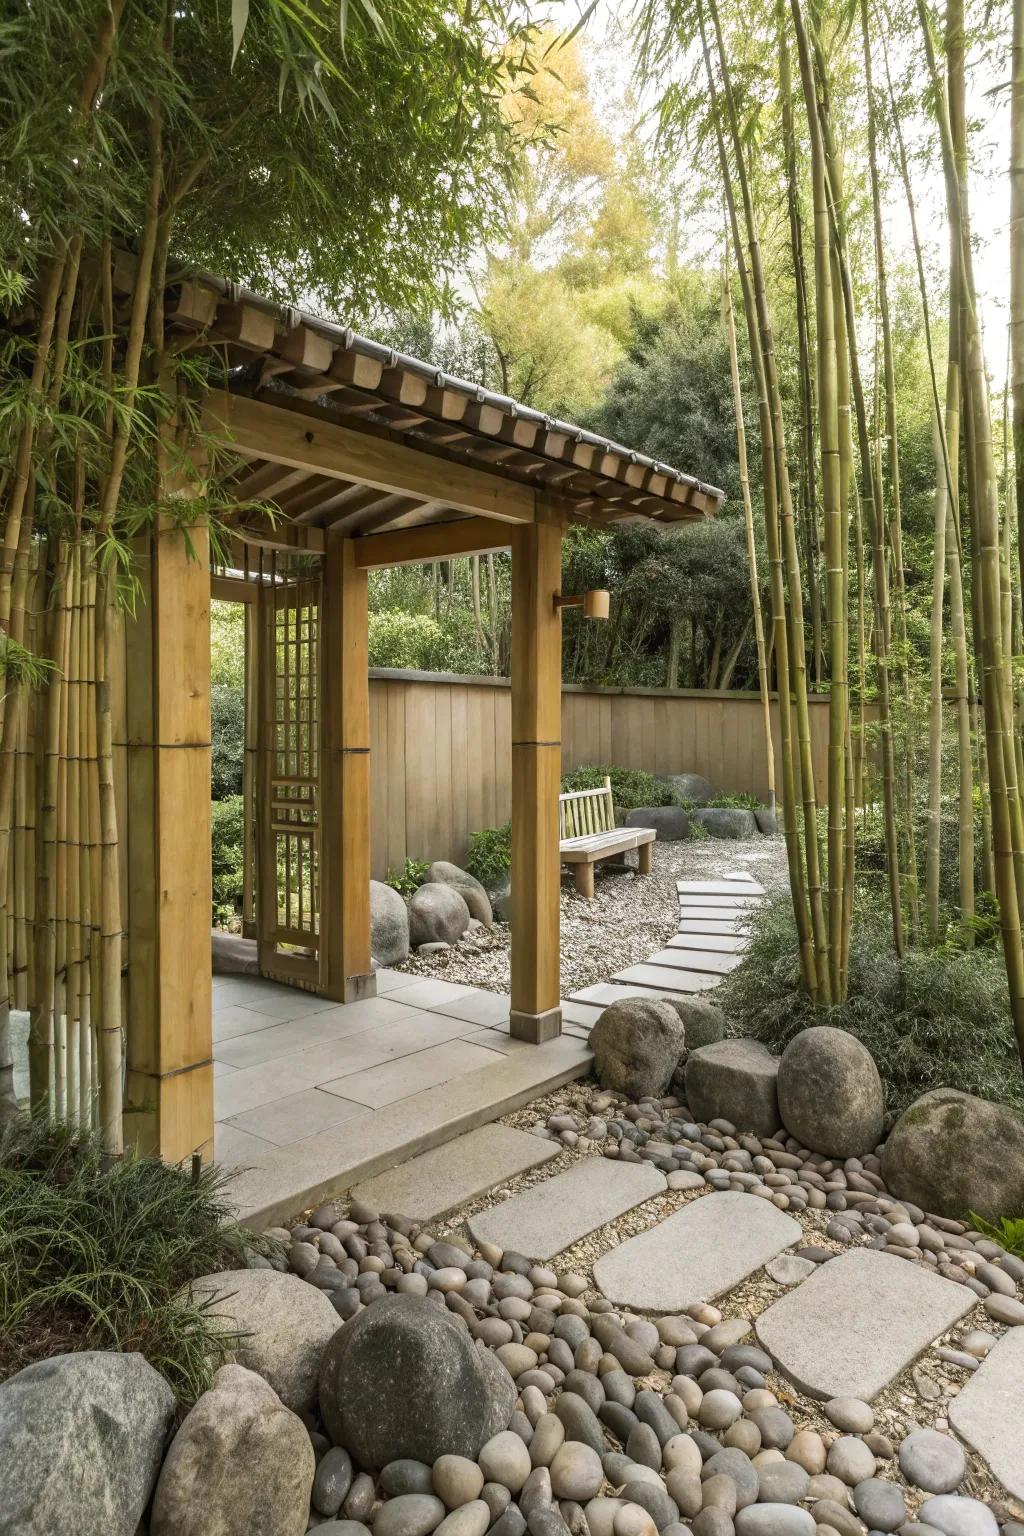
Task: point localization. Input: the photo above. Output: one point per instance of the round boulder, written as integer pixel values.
(389, 925)
(81, 1439)
(734, 1080)
(637, 1045)
(241, 1461)
(285, 1326)
(669, 821)
(467, 885)
(830, 1094)
(692, 787)
(404, 1379)
(953, 1153)
(726, 821)
(438, 914)
(703, 1021)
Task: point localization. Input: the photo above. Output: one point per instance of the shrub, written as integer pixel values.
(94, 1254)
(631, 787)
(227, 827)
(227, 722)
(409, 878)
(936, 1018)
(490, 854)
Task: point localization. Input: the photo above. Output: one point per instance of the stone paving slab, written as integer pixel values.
(718, 943)
(727, 927)
(695, 960)
(858, 1322)
(728, 917)
(660, 976)
(448, 1176)
(699, 1253)
(731, 902)
(550, 1217)
(605, 992)
(719, 887)
(989, 1411)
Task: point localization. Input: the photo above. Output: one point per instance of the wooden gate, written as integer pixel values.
(288, 774)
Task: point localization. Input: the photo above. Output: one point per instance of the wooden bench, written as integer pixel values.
(587, 833)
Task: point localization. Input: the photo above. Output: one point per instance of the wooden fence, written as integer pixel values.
(441, 760)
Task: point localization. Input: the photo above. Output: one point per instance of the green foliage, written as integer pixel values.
(631, 787)
(227, 720)
(409, 878)
(737, 802)
(227, 645)
(94, 1254)
(936, 1018)
(227, 825)
(490, 855)
(1009, 1234)
(419, 643)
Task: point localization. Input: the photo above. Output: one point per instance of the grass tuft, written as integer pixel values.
(94, 1254)
(938, 1018)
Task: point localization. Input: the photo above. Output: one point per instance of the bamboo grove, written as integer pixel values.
(136, 137)
(817, 120)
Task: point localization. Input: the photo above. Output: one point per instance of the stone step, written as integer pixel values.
(662, 978)
(607, 992)
(697, 1254)
(706, 961)
(718, 887)
(988, 1411)
(720, 943)
(438, 1180)
(548, 1218)
(735, 916)
(727, 903)
(859, 1321)
(692, 923)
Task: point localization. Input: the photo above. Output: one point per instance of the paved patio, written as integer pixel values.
(311, 1095)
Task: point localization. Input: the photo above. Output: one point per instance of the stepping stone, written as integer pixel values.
(575, 1012)
(727, 929)
(731, 915)
(459, 1170)
(669, 981)
(989, 1411)
(742, 902)
(551, 1216)
(718, 887)
(858, 1322)
(699, 1253)
(718, 943)
(604, 993)
(695, 960)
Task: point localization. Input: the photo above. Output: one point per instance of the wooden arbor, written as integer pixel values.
(372, 460)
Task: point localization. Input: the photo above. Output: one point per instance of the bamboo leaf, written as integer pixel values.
(239, 22)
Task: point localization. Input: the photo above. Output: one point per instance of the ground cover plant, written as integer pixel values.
(95, 1253)
(931, 1018)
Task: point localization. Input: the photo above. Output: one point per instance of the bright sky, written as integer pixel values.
(988, 108)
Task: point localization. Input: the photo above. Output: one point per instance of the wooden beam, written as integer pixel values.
(345, 968)
(324, 447)
(169, 1084)
(436, 541)
(257, 528)
(536, 769)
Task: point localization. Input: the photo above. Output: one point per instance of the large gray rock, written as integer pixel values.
(952, 1153)
(692, 787)
(637, 1045)
(81, 1439)
(734, 1080)
(669, 821)
(830, 1094)
(767, 821)
(467, 885)
(286, 1326)
(726, 821)
(389, 925)
(501, 900)
(404, 1379)
(241, 1464)
(438, 914)
(232, 955)
(703, 1021)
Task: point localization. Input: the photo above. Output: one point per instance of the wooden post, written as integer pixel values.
(536, 771)
(345, 968)
(169, 1088)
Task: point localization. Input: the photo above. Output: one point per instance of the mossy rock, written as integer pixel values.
(703, 1021)
(952, 1153)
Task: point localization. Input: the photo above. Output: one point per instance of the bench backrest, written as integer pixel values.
(584, 811)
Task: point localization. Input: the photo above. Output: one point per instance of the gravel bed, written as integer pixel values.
(629, 919)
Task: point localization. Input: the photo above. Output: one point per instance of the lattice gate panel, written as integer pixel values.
(288, 796)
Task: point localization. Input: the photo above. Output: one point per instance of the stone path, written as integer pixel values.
(551, 1216)
(989, 1411)
(699, 1253)
(859, 1321)
(708, 944)
(452, 1174)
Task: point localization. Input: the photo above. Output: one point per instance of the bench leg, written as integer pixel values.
(585, 880)
(645, 854)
